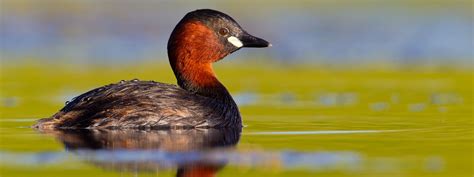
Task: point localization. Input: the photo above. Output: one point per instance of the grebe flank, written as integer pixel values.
(201, 101)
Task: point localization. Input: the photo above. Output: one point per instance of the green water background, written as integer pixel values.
(427, 110)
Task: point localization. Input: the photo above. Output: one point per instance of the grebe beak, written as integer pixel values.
(252, 41)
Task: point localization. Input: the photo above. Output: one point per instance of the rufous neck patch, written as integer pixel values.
(192, 49)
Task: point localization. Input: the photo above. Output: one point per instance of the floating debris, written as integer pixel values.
(442, 109)
(338, 99)
(445, 99)
(10, 101)
(434, 164)
(379, 106)
(395, 98)
(328, 99)
(287, 98)
(348, 98)
(246, 98)
(417, 107)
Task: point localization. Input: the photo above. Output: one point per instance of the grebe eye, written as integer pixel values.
(223, 31)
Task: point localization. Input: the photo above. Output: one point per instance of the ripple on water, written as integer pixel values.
(322, 132)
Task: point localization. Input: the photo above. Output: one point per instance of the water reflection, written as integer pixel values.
(144, 150)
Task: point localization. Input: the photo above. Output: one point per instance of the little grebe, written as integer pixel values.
(201, 101)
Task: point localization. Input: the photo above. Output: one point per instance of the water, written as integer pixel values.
(405, 151)
(364, 123)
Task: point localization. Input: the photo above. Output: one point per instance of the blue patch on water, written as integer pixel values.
(285, 159)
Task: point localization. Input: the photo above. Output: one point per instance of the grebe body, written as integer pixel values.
(201, 38)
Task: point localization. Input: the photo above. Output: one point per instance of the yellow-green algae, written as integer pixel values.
(431, 105)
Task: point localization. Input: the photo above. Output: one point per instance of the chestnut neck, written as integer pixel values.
(192, 48)
(200, 79)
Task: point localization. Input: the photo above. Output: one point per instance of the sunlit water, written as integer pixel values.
(359, 125)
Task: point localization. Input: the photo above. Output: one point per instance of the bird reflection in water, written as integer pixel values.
(188, 150)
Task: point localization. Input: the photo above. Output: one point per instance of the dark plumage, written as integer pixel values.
(143, 104)
(199, 39)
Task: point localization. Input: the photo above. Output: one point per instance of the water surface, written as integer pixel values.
(317, 123)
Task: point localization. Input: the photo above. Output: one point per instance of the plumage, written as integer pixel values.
(143, 104)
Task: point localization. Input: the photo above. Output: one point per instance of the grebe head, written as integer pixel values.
(211, 32)
(201, 38)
